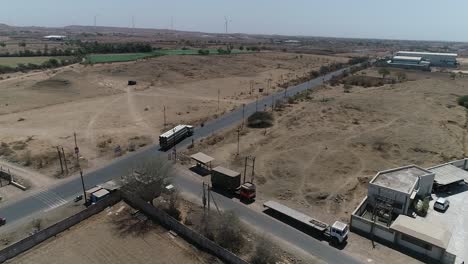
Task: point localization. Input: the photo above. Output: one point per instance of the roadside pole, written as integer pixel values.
(77, 153)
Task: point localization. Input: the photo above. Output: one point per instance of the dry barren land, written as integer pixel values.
(42, 110)
(326, 145)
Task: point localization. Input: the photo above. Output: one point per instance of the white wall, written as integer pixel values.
(435, 252)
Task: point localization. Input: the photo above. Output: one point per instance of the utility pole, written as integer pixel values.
(268, 85)
(65, 160)
(175, 150)
(218, 98)
(256, 104)
(251, 87)
(238, 140)
(204, 196)
(77, 152)
(272, 102)
(243, 115)
(209, 201)
(164, 110)
(172, 23)
(285, 89)
(60, 159)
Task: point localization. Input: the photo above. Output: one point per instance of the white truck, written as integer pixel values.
(171, 137)
(336, 233)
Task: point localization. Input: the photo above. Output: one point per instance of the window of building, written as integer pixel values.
(416, 242)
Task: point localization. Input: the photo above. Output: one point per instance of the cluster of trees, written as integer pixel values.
(46, 52)
(203, 52)
(129, 47)
(357, 60)
(82, 49)
(51, 63)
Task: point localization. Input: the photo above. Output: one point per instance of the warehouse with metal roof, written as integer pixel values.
(434, 58)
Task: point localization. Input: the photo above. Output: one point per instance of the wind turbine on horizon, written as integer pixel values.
(226, 23)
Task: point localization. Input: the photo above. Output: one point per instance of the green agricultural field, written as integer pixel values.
(107, 58)
(14, 61)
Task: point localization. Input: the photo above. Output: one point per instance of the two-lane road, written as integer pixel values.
(65, 191)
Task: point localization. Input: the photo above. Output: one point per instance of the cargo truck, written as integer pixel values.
(229, 181)
(170, 138)
(336, 233)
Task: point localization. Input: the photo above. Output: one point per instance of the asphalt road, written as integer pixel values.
(268, 225)
(58, 195)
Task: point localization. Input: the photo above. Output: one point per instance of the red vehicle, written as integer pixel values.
(248, 191)
(230, 182)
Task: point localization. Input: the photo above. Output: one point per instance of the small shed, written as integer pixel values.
(111, 185)
(99, 195)
(202, 160)
(92, 190)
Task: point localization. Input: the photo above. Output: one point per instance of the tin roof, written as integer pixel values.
(100, 193)
(407, 58)
(433, 234)
(426, 53)
(226, 172)
(202, 158)
(448, 173)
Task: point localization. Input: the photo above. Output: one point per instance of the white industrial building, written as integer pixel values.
(55, 37)
(387, 214)
(434, 58)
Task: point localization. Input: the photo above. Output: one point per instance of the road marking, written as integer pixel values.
(50, 199)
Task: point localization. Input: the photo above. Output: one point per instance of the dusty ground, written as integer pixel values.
(41, 110)
(323, 149)
(106, 238)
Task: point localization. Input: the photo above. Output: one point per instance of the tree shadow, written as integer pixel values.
(136, 224)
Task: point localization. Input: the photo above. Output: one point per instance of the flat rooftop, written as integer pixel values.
(447, 174)
(426, 53)
(407, 58)
(401, 179)
(455, 219)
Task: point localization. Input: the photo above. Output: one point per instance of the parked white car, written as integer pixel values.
(441, 204)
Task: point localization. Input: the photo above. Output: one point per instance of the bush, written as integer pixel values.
(264, 252)
(203, 52)
(463, 101)
(260, 119)
(422, 206)
(229, 234)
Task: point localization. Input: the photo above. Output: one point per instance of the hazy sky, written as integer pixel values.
(400, 19)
